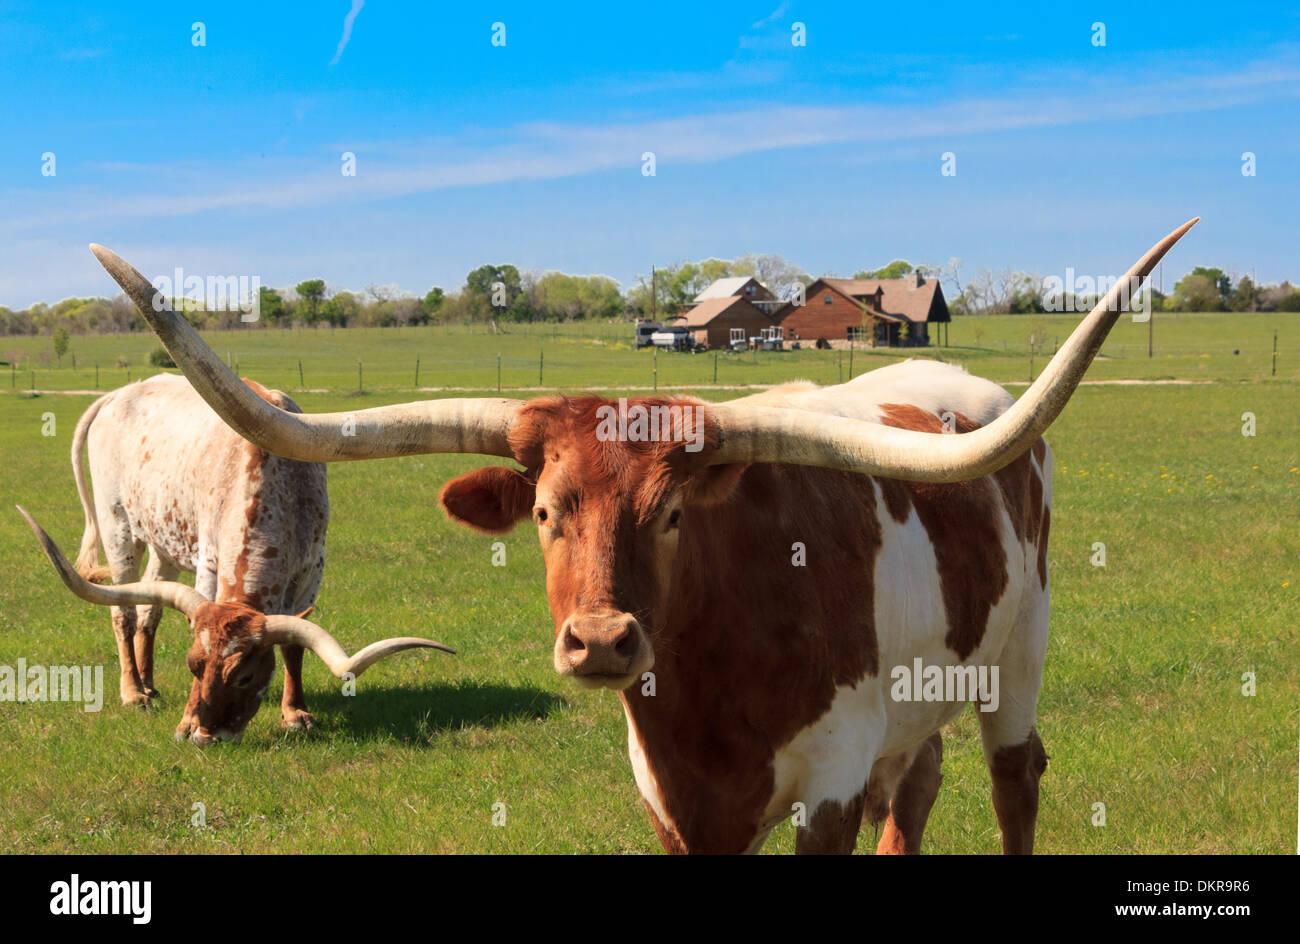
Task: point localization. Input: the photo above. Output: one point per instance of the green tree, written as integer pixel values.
(311, 292)
(1197, 292)
(1222, 284)
(1245, 297)
(60, 343)
(341, 310)
(432, 303)
(480, 289)
(270, 306)
(895, 270)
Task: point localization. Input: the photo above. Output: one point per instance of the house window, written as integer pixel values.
(828, 300)
(776, 332)
(749, 290)
(737, 334)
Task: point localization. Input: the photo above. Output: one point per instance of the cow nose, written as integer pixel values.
(598, 644)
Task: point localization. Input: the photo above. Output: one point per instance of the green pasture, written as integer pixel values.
(1222, 347)
(1142, 707)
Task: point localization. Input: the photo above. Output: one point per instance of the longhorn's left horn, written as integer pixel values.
(477, 425)
(296, 631)
(767, 434)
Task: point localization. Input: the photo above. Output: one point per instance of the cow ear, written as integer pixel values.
(714, 483)
(490, 499)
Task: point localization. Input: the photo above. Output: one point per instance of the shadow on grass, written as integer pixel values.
(419, 715)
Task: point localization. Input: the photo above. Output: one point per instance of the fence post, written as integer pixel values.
(715, 367)
(301, 382)
(417, 372)
(656, 369)
(358, 375)
(498, 373)
(851, 340)
(1275, 352)
(541, 361)
(96, 375)
(840, 363)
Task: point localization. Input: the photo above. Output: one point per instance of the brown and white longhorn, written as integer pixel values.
(169, 476)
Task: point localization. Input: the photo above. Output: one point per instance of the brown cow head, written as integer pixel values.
(610, 503)
(232, 662)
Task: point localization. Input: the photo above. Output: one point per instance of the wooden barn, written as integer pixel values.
(877, 312)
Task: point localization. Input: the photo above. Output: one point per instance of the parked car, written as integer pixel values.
(673, 338)
(644, 331)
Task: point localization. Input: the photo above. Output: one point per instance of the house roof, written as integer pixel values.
(707, 310)
(724, 288)
(897, 298)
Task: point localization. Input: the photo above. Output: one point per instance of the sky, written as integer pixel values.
(227, 157)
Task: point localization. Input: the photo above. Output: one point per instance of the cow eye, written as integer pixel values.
(675, 518)
(540, 514)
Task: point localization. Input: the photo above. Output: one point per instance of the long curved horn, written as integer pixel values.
(768, 434)
(165, 592)
(293, 630)
(477, 425)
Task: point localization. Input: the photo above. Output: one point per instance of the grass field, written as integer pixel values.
(1142, 706)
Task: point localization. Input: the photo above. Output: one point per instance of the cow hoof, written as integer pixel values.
(298, 720)
(138, 699)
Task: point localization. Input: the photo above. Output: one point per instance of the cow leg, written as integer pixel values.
(909, 807)
(293, 704)
(1015, 770)
(190, 718)
(832, 829)
(147, 620)
(124, 567)
(1012, 750)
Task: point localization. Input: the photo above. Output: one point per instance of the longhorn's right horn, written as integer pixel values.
(167, 593)
(765, 434)
(477, 425)
(294, 630)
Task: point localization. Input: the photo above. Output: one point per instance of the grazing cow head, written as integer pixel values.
(609, 510)
(232, 662)
(232, 658)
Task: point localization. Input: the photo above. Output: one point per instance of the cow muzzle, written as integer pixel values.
(603, 650)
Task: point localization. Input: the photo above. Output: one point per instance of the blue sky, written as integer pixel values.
(226, 158)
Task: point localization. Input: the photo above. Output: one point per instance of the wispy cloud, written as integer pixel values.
(78, 55)
(347, 30)
(771, 17)
(551, 150)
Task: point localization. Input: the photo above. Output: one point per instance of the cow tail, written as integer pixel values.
(88, 557)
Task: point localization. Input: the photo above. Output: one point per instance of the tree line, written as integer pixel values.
(501, 294)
